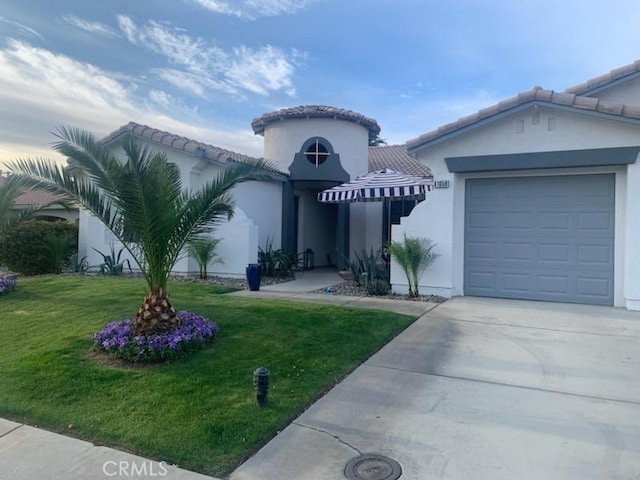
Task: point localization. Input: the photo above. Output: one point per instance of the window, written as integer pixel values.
(317, 153)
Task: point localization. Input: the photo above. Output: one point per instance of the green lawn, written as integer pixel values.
(199, 412)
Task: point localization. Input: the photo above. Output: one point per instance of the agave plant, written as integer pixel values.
(141, 201)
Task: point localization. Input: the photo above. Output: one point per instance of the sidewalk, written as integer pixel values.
(28, 453)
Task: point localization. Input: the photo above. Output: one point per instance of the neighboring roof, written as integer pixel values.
(34, 197)
(536, 95)
(395, 157)
(315, 111)
(624, 73)
(184, 144)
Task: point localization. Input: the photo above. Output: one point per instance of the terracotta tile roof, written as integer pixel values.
(631, 69)
(182, 143)
(34, 197)
(536, 95)
(395, 157)
(315, 111)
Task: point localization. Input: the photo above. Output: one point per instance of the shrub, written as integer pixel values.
(25, 249)
(8, 283)
(277, 263)
(194, 332)
(414, 255)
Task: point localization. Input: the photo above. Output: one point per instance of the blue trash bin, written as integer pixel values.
(254, 275)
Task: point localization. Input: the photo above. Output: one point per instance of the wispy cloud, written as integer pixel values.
(253, 9)
(205, 67)
(82, 94)
(21, 27)
(90, 27)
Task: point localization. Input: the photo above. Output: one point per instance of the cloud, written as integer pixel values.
(90, 27)
(201, 67)
(253, 9)
(22, 27)
(40, 89)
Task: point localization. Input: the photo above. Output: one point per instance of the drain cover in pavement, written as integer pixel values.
(372, 467)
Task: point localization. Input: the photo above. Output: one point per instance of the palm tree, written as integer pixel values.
(141, 200)
(414, 255)
(203, 249)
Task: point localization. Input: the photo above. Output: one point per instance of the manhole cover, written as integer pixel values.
(372, 467)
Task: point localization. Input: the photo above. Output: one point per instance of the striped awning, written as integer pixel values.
(377, 186)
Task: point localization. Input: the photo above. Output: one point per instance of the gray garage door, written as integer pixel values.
(540, 238)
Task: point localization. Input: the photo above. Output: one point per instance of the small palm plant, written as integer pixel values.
(414, 255)
(203, 249)
(140, 199)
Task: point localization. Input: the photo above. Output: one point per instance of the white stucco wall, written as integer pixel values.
(258, 215)
(627, 92)
(441, 216)
(283, 139)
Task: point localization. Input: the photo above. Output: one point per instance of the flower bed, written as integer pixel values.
(7, 283)
(193, 333)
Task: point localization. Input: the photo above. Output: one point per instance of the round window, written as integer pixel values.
(317, 153)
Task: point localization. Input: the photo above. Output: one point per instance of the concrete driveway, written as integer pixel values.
(480, 389)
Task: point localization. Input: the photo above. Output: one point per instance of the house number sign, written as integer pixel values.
(441, 184)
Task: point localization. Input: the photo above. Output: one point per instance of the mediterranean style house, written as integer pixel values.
(537, 194)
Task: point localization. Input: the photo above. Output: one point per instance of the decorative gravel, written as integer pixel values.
(351, 289)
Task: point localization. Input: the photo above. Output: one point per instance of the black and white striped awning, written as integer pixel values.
(377, 186)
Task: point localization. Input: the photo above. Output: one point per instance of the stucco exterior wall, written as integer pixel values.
(441, 216)
(258, 215)
(628, 92)
(283, 139)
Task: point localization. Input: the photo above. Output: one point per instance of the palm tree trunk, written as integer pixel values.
(156, 315)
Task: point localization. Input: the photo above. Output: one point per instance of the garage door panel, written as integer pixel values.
(481, 250)
(595, 255)
(482, 281)
(544, 238)
(593, 287)
(515, 283)
(554, 253)
(588, 222)
(554, 221)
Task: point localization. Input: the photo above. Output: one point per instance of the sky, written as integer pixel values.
(206, 68)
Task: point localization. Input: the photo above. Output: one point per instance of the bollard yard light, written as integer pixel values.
(261, 385)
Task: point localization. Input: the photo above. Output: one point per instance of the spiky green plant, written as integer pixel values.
(414, 255)
(203, 249)
(141, 201)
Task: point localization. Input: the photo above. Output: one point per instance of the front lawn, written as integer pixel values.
(199, 412)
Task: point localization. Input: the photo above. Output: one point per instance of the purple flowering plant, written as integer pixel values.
(7, 283)
(193, 333)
